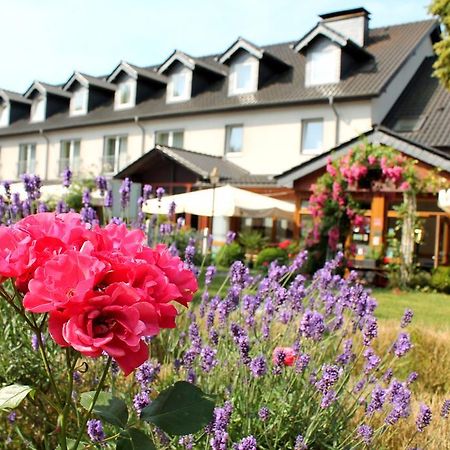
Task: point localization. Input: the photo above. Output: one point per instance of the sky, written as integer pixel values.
(48, 39)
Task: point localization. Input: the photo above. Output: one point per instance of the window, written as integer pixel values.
(4, 114)
(243, 78)
(233, 138)
(173, 138)
(125, 94)
(114, 154)
(322, 65)
(78, 102)
(38, 109)
(179, 87)
(69, 156)
(27, 159)
(312, 136)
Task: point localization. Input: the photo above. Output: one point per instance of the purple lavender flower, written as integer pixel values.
(160, 192)
(189, 253)
(16, 204)
(35, 341)
(407, 318)
(108, 202)
(42, 207)
(86, 197)
(140, 401)
(377, 400)
(412, 377)
(76, 375)
(209, 274)
(239, 274)
(248, 443)
(400, 397)
(172, 209)
(424, 418)
(387, 376)
(12, 417)
(219, 426)
(264, 413)
(230, 237)
(125, 192)
(208, 357)
(402, 345)
(372, 360)
(258, 366)
(61, 207)
(445, 410)
(300, 443)
(347, 356)
(370, 331)
(312, 325)
(147, 374)
(7, 187)
(180, 223)
(328, 399)
(147, 191)
(95, 430)
(299, 260)
(187, 442)
(191, 377)
(366, 433)
(102, 184)
(330, 376)
(66, 177)
(301, 363)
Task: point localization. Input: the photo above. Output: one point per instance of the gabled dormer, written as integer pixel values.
(13, 107)
(135, 84)
(250, 67)
(87, 93)
(335, 46)
(188, 76)
(46, 100)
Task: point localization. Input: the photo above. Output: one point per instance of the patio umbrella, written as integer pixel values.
(224, 201)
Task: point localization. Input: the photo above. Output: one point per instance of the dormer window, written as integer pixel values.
(4, 114)
(179, 87)
(78, 102)
(125, 94)
(322, 63)
(38, 109)
(243, 77)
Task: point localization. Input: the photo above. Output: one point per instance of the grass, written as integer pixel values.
(431, 310)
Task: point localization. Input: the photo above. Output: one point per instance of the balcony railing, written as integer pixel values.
(72, 163)
(26, 166)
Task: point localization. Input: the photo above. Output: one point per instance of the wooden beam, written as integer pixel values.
(437, 241)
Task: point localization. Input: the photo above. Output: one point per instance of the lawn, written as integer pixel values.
(431, 310)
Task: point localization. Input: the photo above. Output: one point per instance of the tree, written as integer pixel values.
(441, 9)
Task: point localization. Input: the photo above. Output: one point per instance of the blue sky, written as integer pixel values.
(49, 39)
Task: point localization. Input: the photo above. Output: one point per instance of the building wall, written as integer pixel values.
(271, 138)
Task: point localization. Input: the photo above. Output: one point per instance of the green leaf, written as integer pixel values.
(11, 396)
(71, 445)
(111, 409)
(134, 439)
(181, 409)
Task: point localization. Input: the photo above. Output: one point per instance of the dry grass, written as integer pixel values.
(431, 359)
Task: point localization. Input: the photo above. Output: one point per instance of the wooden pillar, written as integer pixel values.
(437, 241)
(445, 243)
(273, 231)
(297, 218)
(377, 221)
(203, 222)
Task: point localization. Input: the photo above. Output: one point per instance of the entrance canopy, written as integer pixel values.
(225, 201)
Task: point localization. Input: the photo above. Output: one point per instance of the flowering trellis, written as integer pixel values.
(367, 167)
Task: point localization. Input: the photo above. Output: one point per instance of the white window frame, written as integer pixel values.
(251, 62)
(4, 113)
(322, 64)
(304, 124)
(170, 136)
(131, 83)
(38, 115)
(27, 165)
(186, 95)
(118, 162)
(228, 129)
(73, 162)
(83, 92)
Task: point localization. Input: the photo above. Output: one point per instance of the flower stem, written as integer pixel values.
(97, 393)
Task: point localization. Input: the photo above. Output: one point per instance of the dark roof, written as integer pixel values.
(422, 113)
(200, 164)
(99, 82)
(390, 46)
(14, 96)
(378, 134)
(49, 88)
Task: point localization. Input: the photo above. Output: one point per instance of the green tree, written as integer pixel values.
(441, 9)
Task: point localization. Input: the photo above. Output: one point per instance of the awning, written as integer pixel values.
(229, 201)
(444, 200)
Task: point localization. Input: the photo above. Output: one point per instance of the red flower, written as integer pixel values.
(288, 355)
(284, 244)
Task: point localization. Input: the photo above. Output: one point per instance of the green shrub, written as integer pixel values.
(230, 253)
(420, 280)
(269, 254)
(440, 279)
